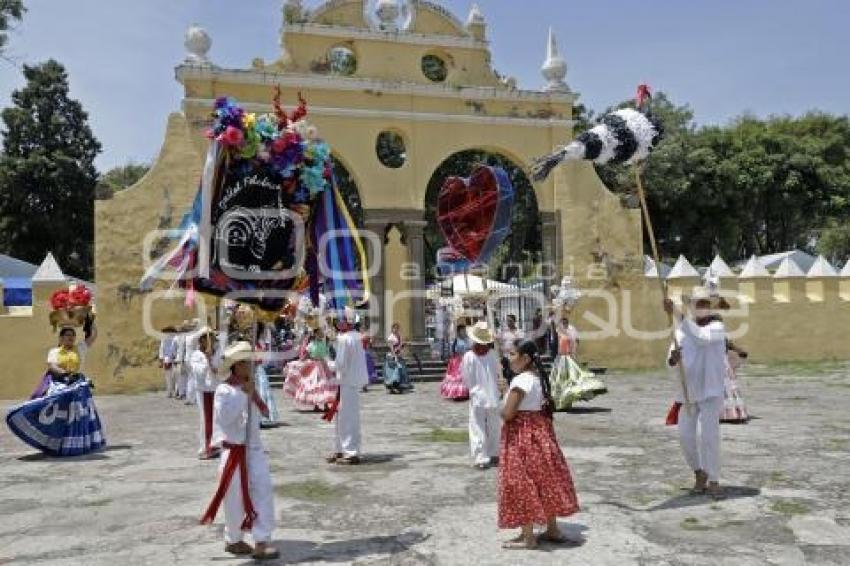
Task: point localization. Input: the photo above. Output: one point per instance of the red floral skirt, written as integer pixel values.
(535, 483)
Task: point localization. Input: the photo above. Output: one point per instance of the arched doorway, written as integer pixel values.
(522, 250)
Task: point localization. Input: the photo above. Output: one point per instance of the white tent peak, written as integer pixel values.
(754, 268)
(789, 268)
(822, 268)
(682, 269)
(49, 270)
(719, 268)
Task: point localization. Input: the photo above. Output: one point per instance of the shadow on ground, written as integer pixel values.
(302, 551)
(99, 455)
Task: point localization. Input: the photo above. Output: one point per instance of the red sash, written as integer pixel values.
(333, 408)
(236, 458)
(207, 399)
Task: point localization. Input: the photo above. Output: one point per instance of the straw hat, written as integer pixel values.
(236, 352)
(481, 333)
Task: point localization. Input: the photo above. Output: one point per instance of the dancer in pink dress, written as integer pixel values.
(309, 380)
(452, 387)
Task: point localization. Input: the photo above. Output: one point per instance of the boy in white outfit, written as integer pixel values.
(236, 429)
(480, 372)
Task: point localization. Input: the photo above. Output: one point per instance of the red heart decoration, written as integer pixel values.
(466, 210)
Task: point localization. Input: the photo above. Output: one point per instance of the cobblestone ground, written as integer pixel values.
(417, 500)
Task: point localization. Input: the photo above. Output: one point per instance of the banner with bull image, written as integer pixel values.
(259, 224)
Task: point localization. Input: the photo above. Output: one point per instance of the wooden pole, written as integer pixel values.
(664, 292)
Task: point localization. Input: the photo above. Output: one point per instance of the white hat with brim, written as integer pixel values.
(236, 352)
(480, 333)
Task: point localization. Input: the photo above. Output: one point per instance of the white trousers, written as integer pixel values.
(191, 386)
(182, 378)
(262, 497)
(347, 424)
(699, 435)
(485, 428)
(202, 431)
(170, 381)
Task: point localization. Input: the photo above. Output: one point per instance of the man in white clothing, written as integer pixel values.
(480, 372)
(167, 348)
(203, 376)
(702, 353)
(189, 348)
(177, 365)
(236, 429)
(351, 375)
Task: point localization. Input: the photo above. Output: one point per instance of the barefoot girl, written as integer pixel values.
(535, 484)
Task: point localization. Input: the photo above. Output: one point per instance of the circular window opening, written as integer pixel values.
(390, 149)
(342, 61)
(434, 68)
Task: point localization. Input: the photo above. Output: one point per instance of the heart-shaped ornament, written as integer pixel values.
(474, 213)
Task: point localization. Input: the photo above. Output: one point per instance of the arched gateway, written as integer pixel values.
(394, 98)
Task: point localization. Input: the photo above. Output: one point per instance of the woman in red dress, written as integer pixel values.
(535, 483)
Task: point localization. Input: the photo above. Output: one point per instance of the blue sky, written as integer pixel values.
(722, 57)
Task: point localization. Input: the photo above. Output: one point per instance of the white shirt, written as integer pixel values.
(179, 348)
(481, 376)
(350, 362)
(529, 383)
(202, 372)
(167, 349)
(230, 418)
(704, 358)
(82, 350)
(190, 344)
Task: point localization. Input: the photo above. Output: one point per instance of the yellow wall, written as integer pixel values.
(25, 338)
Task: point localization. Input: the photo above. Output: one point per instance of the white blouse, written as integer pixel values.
(529, 383)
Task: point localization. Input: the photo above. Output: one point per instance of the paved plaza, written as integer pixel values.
(417, 500)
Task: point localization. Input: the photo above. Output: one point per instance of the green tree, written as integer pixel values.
(10, 11)
(120, 178)
(47, 173)
(834, 241)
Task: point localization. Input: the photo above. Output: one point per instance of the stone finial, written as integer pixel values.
(720, 268)
(197, 43)
(754, 268)
(555, 67)
(475, 17)
(822, 268)
(682, 269)
(788, 268)
(49, 270)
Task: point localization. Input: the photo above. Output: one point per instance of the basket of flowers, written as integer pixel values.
(71, 306)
